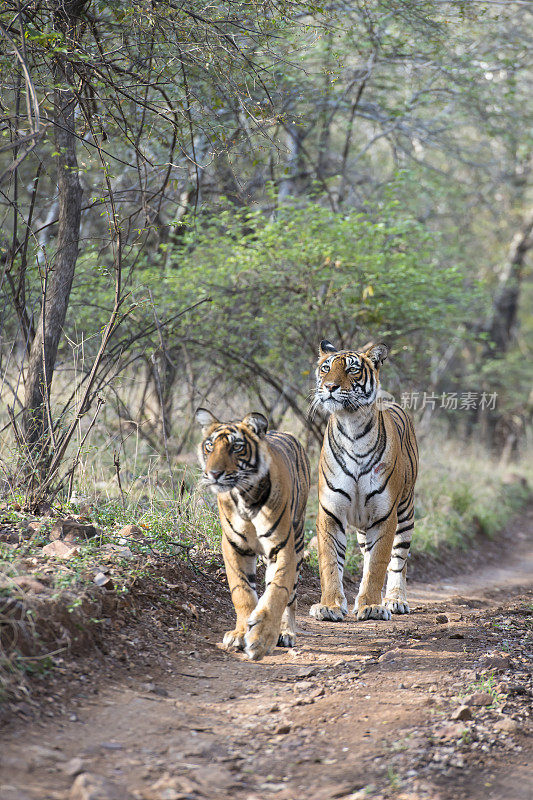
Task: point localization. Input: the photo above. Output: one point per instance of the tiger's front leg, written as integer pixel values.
(271, 614)
(240, 563)
(331, 540)
(376, 545)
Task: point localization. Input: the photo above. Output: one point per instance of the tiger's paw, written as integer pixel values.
(335, 613)
(261, 635)
(372, 612)
(234, 640)
(397, 606)
(286, 639)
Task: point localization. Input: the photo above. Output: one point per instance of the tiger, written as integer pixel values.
(261, 478)
(367, 472)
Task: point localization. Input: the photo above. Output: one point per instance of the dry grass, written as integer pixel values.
(462, 491)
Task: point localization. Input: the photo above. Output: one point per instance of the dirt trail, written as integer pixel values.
(356, 710)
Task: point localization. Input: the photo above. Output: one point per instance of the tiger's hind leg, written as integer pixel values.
(396, 591)
(287, 632)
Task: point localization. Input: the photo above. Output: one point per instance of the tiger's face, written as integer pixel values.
(347, 380)
(232, 454)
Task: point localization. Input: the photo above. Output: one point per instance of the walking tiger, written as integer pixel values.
(261, 479)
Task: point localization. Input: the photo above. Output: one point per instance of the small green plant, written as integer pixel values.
(76, 603)
(485, 684)
(466, 737)
(393, 779)
(33, 665)
(400, 745)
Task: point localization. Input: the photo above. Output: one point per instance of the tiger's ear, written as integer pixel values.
(205, 418)
(257, 423)
(377, 354)
(326, 347)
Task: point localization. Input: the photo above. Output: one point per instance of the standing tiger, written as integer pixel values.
(367, 473)
(261, 479)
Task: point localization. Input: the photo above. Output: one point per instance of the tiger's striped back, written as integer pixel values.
(406, 432)
(297, 464)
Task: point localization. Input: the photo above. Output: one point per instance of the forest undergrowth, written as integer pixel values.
(65, 574)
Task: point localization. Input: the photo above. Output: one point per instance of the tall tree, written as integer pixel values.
(58, 275)
(504, 313)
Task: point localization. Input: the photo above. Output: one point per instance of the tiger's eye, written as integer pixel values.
(208, 446)
(324, 368)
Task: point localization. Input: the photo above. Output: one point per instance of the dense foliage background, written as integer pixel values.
(193, 195)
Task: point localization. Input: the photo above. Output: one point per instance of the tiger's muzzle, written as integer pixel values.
(220, 480)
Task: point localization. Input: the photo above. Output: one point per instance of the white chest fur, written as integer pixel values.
(354, 463)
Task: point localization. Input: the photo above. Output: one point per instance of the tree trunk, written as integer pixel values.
(500, 428)
(287, 186)
(325, 113)
(502, 323)
(58, 275)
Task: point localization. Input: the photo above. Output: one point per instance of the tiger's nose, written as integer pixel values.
(215, 473)
(331, 387)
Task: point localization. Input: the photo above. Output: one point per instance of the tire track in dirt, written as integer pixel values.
(355, 710)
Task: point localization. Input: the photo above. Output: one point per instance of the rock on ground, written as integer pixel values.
(89, 786)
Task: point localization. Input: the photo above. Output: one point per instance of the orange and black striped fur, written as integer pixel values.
(367, 473)
(261, 479)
